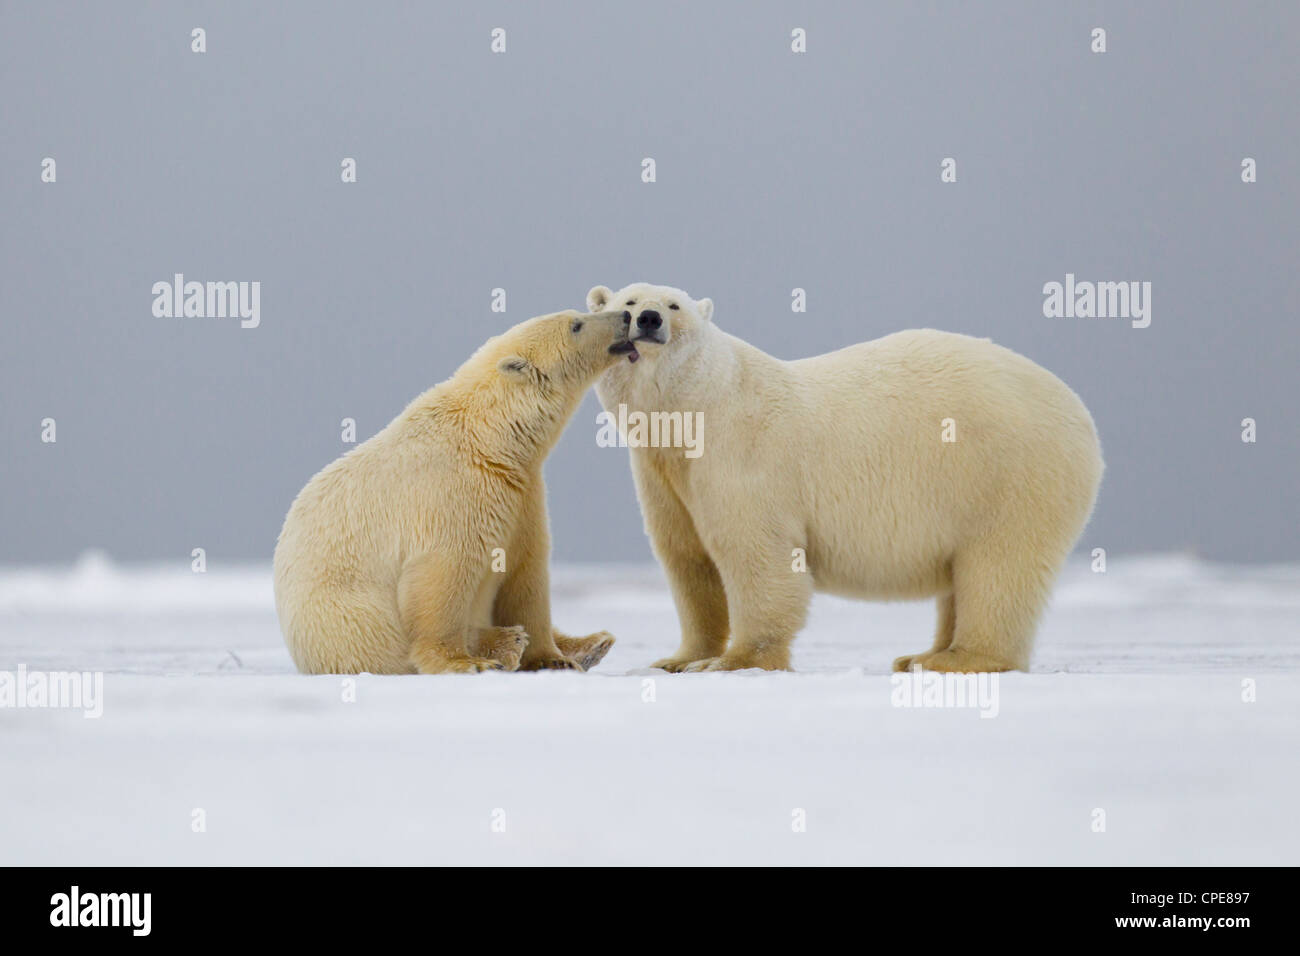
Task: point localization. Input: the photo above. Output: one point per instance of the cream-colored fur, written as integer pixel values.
(385, 562)
(841, 457)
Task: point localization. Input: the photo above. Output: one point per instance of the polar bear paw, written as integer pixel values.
(472, 665)
(706, 664)
(586, 651)
(503, 644)
(740, 662)
(557, 663)
(675, 665)
(953, 660)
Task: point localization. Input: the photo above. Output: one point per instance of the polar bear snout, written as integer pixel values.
(651, 327)
(621, 324)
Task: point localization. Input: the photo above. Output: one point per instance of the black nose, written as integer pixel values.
(649, 319)
(627, 318)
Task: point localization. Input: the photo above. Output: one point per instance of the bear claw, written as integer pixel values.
(551, 664)
(473, 665)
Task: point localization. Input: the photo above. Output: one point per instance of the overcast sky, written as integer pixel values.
(522, 170)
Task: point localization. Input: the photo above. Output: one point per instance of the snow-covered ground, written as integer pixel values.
(1135, 708)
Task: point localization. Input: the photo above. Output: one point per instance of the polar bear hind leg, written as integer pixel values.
(587, 651)
(350, 632)
(1000, 588)
(943, 632)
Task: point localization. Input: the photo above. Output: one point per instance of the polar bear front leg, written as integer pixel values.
(701, 602)
(524, 597)
(696, 585)
(433, 597)
(768, 604)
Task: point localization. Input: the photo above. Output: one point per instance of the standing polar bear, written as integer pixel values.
(920, 464)
(426, 548)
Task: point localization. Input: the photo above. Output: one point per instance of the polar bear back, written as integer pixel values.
(853, 443)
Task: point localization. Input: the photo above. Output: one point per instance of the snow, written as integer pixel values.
(1135, 707)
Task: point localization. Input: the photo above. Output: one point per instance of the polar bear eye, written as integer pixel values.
(673, 306)
(577, 326)
(631, 301)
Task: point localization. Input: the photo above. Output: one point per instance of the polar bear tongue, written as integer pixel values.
(626, 347)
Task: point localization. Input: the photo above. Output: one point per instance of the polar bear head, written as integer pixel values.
(660, 314)
(562, 352)
(525, 383)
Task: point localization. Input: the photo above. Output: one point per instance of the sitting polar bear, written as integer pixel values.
(920, 464)
(426, 548)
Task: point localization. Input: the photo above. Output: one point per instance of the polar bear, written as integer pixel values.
(426, 548)
(920, 464)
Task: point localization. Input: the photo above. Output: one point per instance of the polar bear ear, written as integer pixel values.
(598, 298)
(513, 367)
(705, 307)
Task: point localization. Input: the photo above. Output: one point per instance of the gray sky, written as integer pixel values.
(522, 170)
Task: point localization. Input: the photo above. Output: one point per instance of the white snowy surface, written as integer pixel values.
(1134, 707)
